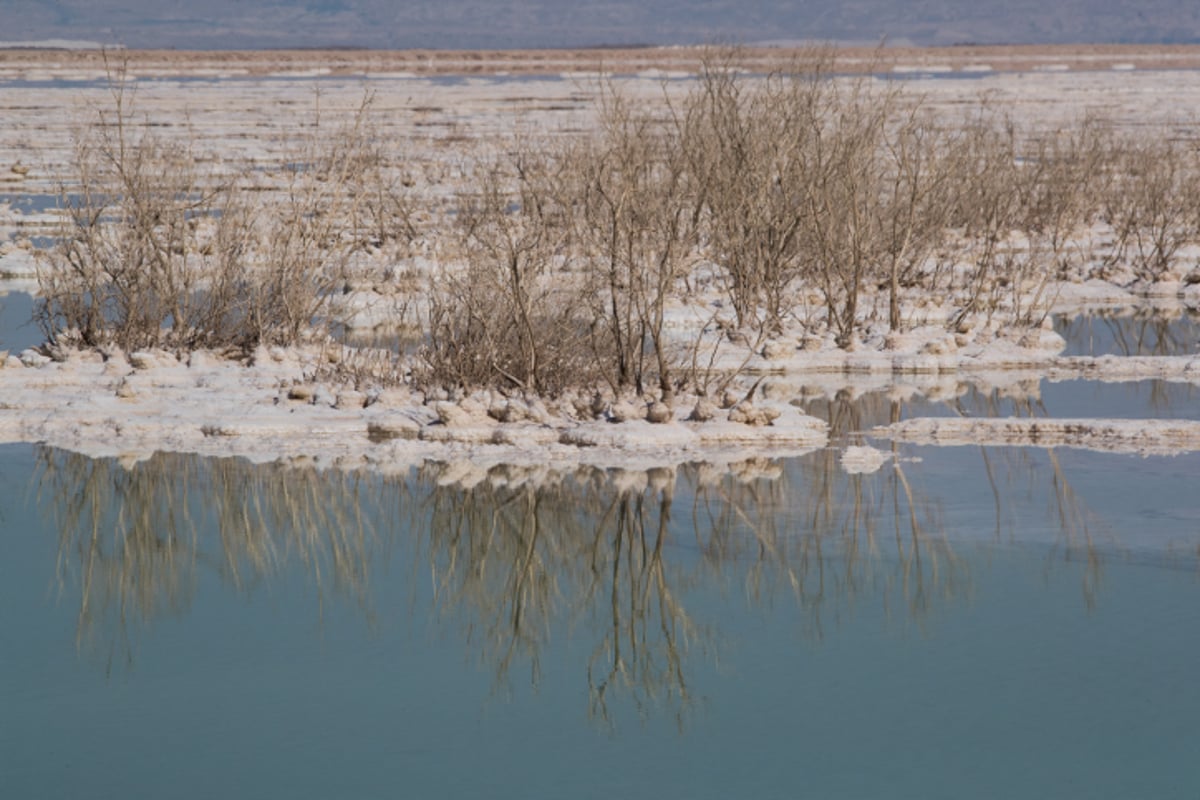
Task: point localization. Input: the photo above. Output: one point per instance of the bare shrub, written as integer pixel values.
(1061, 175)
(304, 241)
(375, 180)
(748, 147)
(639, 207)
(513, 317)
(149, 243)
(809, 179)
(1153, 204)
(916, 204)
(572, 256)
(987, 208)
(1024, 202)
(844, 236)
(812, 180)
(1067, 172)
(156, 249)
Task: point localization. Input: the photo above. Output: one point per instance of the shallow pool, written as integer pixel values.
(17, 328)
(1122, 332)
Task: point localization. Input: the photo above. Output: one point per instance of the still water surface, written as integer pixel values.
(17, 328)
(1012, 622)
(1147, 332)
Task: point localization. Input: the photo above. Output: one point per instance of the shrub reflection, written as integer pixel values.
(628, 562)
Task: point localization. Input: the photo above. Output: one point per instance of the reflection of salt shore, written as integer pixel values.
(1142, 436)
(615, 556)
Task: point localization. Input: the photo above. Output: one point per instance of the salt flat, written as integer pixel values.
(447, 114)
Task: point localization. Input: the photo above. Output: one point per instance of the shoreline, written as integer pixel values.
(278, 407)
(964, 60)
(134, 404)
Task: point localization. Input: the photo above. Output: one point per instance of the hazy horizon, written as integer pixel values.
(476, 24)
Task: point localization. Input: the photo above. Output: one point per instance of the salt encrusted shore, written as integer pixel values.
(1140, 436)
(267, 409)
(270, 407)
(132, 405)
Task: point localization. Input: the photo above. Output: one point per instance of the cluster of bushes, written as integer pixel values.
(804, 200)
(162, 245)
(810, 201)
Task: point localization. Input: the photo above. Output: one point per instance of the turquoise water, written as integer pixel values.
(1000, 623)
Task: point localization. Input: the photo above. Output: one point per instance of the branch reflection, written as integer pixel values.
(515, 551)
(523, 552)
(134, 535)
(636, 564)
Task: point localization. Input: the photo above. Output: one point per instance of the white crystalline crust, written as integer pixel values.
(137, 404)
(264, 411)
(1141, 436)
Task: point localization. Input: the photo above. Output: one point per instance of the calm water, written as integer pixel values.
(1146, 333)
(17, 329)
(975, 623)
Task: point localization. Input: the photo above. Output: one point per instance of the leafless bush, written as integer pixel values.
(572, 257)
(513, 317)
(791, 184)
(1153, 204)
(1062, 175)
(158, 249)
(1024, 201)
(917, 202)
(375, 179)
(748, 148)
(639, 209)
(987, 207)
(303, 242)
(149, 243)
(836, 184)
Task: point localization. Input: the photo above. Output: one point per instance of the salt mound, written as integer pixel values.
(858, 460)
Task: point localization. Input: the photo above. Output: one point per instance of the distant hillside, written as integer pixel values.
(231, 24)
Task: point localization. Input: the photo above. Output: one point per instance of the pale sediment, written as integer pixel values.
(266, 410)
(271, 408)
(1139, 436)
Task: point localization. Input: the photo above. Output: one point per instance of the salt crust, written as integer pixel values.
(860, 460)
(269, 409)
(218, 407)
(146, 402)
(1141, 436)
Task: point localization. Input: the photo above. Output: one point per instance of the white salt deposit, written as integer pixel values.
(132, 406)
(858, 460)
(1141, 436)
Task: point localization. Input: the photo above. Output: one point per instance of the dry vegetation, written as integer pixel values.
(748, 206)
(159, 247)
